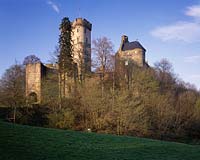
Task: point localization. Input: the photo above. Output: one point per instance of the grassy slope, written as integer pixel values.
(26, 143)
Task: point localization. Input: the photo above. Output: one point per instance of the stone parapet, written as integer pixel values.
(82, 22)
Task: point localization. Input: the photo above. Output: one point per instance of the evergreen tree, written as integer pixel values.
(65, 60)
(65, 57)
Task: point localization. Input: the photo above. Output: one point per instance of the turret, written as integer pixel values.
(124, 40)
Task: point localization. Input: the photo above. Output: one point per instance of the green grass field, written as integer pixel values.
(25, 143)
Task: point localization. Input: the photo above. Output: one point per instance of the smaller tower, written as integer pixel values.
(132, 51)
(81, 39)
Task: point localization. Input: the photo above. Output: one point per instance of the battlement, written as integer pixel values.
(82, 22)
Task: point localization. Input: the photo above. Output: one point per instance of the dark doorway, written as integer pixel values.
(33, 97)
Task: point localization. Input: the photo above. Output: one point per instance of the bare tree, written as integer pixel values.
(165, 74)
(54, 55)
(164, 66)
(31, 59)
(102, 49)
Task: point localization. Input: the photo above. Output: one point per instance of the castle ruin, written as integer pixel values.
(81, 42)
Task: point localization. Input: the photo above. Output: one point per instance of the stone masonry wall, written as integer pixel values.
(33, 79)
(137, 55)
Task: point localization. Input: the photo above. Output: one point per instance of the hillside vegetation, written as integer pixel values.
(119, 97)
(26, 143)
(151, 103)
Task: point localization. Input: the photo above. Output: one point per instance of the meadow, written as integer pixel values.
(20, 142)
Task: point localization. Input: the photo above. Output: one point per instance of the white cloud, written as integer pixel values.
(192, 59)
(54, 6)
(183, 31)
(193, 11)
(195, 77)
(187, 31)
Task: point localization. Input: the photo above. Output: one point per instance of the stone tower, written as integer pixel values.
(132, 51)
(81, 39)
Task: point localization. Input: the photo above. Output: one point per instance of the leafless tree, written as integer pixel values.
(102, 49)
(54, 55)
(165, 74)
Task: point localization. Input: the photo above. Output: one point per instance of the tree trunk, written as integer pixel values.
(14, 114)
(113, 89)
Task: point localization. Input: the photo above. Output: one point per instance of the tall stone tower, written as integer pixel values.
(81, 39)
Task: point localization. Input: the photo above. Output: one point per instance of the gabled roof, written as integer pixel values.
(132, 45)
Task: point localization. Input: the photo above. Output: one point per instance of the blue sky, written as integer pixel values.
(167, 29)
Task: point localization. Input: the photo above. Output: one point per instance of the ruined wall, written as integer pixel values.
(33, 80)
(35, 74)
